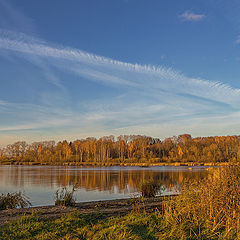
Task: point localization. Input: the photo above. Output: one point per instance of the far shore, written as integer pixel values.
(108, 164)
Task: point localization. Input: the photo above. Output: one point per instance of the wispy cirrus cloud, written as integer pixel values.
(146, 99)
(191, 16)
(156, 119)
(155, 97)
(156, 79)
(30, 116)
(14, 20)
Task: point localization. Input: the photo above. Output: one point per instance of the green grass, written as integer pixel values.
(132, 226)
(82, 226)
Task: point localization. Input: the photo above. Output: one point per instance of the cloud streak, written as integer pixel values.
(155, 100)
(191, 17)
(13, 19)
(109, 71)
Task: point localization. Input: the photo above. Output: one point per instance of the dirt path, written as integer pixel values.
(110, 208)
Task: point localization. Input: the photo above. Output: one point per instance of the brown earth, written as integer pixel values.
(108, 208)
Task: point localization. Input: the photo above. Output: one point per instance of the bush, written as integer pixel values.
(13, 200)
(149, 188)
(64, 197)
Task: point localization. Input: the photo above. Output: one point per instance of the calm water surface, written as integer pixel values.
(40, 183)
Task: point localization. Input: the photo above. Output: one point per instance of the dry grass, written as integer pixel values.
(149, 188)
(65, 197)
(13, 200)
(209, 209)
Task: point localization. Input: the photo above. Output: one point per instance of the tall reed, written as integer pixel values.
(210, 208)
(64, 197)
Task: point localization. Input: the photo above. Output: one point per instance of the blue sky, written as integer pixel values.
(73, 69)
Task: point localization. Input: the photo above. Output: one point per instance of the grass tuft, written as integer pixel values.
(64, 197)
(149, 188)
(13, 200)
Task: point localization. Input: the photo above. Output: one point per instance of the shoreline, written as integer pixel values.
(94, 164)
(109, 208)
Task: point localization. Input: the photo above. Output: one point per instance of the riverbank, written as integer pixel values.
(208, 208)
(109, 208)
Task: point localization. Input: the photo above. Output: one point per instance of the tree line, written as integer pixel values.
(126, 149)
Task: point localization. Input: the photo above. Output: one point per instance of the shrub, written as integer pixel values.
(149, 188)
(64, 197)
(14, 200)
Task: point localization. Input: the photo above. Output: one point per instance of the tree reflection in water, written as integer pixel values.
(120, 179)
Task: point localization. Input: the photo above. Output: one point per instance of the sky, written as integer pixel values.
(74, 69)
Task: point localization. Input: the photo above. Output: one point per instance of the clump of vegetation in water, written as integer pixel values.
(64, 197)
(149, 188)
(13, 200)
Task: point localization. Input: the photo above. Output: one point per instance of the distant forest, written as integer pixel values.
(124, 150)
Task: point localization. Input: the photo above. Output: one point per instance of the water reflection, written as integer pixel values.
(40, 182)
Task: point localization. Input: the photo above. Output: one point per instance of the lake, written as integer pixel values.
(40, 183)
